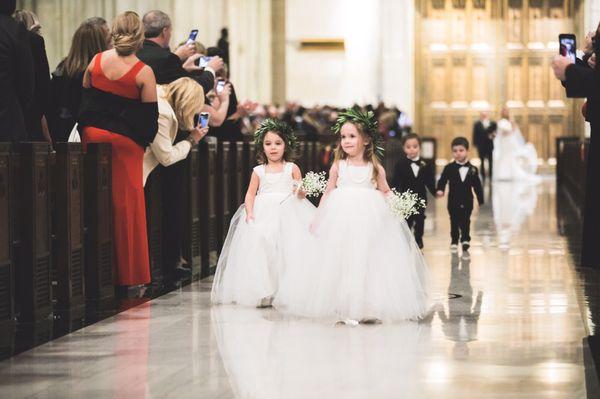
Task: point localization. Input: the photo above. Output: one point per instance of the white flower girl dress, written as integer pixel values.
(364, 262)
(251, 263)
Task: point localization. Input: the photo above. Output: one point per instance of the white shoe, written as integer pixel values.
(454, 248)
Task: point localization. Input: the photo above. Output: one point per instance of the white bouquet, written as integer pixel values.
(313, 184)
(405, 204)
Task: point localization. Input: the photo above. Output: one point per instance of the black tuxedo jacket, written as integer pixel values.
(481, 136)
(460, 195)
(16, 79)
(168, 67)
(404, 178)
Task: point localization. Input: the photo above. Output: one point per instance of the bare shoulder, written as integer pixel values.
(381, 170)
(146, 73)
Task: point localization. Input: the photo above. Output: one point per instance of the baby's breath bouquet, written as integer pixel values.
(313, 184)
(405, 204)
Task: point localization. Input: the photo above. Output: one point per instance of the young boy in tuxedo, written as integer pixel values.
(463, 179)
(414, 174)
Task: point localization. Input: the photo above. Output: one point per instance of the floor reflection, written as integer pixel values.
(512, 203)
(459, 323)
(266, 356)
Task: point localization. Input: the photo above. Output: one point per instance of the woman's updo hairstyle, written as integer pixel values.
(127, 33)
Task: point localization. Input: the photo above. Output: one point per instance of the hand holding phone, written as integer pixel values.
(567, 46)
(203, 119)
(202, 62)
(192, 37)
(220, 85)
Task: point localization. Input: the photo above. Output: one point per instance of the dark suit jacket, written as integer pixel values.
(41, 98)
(460, 195)
(583, 81)
(481, 137)
(16, 79)
(404, 178)
(168, 67)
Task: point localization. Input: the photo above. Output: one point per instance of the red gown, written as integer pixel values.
(132, 264)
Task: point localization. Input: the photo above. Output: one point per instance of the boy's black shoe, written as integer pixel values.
(420, 243)
(466, 245)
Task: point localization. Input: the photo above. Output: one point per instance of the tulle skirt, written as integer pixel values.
(361, 262)
(252, 260)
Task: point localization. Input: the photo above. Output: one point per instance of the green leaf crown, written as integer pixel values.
(369, 124)
(275, 125)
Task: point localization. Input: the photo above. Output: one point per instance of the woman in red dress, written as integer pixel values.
(119, 72)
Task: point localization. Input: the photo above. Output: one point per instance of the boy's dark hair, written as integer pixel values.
(411, 136)
(460, 141)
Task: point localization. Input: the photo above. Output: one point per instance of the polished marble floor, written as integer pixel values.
(506, 322)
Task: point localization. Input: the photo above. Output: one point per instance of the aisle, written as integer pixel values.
(506, 324)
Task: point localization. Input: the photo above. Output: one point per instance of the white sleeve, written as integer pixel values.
(165, 152)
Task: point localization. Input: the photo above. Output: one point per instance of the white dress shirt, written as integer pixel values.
(415, 168)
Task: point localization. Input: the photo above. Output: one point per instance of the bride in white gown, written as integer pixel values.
(514, 159)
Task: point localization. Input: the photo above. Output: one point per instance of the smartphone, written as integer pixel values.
(567, 45)
(202, 62)
(192, 37)
(220, 85)
(204, 116)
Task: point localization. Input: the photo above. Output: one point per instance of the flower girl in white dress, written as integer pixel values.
(271, 220)
(367, 267)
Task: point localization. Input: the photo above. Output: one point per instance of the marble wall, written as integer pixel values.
(377, 62)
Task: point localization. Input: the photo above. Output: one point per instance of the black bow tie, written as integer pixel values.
(417, 162)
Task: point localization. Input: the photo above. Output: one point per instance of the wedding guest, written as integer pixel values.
(178, 103)
(35, 115)
(66, 84)
(582, 80)
(168, 66)
(483, 139)
(119, 107)
(16, 75)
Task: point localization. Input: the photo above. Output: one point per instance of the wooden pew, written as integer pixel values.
(223, 191)
(208, 205)
(7, 287)
(192, 223)
(99, 260)
(68, 281)
(33, 287)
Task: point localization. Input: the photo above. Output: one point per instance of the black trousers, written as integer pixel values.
(172, 210)
(417, 224)
(460, 224)
(483, 155)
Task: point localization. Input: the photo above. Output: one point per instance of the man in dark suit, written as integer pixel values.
(16, 75)
(463, 179)
(483, 138)
(168, 66)
(413, 173)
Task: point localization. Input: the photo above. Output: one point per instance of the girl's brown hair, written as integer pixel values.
(288, 153)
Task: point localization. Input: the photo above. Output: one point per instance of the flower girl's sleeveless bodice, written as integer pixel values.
(279, 182)
(350, 176)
